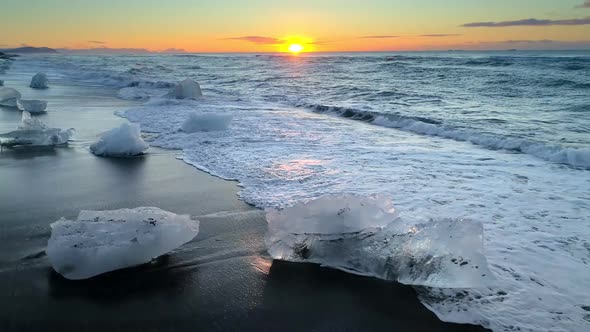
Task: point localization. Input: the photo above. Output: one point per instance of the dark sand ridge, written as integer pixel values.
(222, 280)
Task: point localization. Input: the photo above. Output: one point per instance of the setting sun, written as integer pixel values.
(295, 48)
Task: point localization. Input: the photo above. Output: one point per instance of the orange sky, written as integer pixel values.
(266, 26)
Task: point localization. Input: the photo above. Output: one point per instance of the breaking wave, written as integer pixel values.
(576, 157)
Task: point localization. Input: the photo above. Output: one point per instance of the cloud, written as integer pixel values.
(586, 4)
(526, 41)
(96, 42)
(526, 44)
(528, 22)
(257, 39)
(441, 35)
(378, 37)
(104, 50)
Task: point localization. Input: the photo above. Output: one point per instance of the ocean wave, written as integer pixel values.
(150, 84)
(491, 61)
(576, 157)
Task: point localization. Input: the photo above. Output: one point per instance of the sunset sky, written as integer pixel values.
(320, 25)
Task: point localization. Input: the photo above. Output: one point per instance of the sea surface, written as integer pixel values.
(501, 138)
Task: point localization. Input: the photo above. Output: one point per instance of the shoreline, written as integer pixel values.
(221, 280)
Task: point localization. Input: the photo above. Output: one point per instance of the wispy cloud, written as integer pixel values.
(528, 22)
(532, 44)
(526, 41)
(378, 37)
(586, 4)
(257, 39)
(441, 35)
(96, 42)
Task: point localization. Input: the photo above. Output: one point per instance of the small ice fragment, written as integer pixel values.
(363, 235)
(101, 241)
(39, 81)
(206, 122)
(123, 141)
(33, 132)
(32, 106)
(184, 90)
(9, 97)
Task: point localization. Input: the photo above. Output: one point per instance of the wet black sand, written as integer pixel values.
(222, 280)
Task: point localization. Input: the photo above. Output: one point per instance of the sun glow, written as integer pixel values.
(296, 45)
(295, 48)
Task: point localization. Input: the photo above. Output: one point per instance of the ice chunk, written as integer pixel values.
(32, 106)
(363, 235)
(101, 241)
(123, 141)
(206, 122)
(33, 132)
(29, 123)
(184, 90)
(39, 81)
(9, 97)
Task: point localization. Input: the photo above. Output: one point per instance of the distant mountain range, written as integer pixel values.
(29, 50)
(106, 50)
(97, 50)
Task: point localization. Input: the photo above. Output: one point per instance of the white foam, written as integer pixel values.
(39, 81)
(102, 241)
(9, 97)
(206, 122)
(578, 157)
(533, 212)
(123, 141)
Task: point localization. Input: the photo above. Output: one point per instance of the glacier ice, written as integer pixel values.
(29, 123)
(39, 81)
(32, 106)
(364, 235)
(184, 90)
(101, 241)
(9, 97)
(33, 132)
(123, 141)
(206, 122)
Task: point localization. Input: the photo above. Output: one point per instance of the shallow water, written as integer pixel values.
(499, 138)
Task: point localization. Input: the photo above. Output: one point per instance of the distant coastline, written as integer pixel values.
(140, 51)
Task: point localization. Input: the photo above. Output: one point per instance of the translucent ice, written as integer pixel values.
(32, 106)
(206, 122)
(39, 81)
(184, 90)
(29, 123)
(9, 97)
(123, 141)
(33, 132)
(102, 241)
(364, 235)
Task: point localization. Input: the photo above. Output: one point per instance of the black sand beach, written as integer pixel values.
(222, 280)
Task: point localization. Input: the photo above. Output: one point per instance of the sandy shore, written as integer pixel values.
(222, 280)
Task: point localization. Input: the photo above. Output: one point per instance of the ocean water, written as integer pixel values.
(500, 138)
